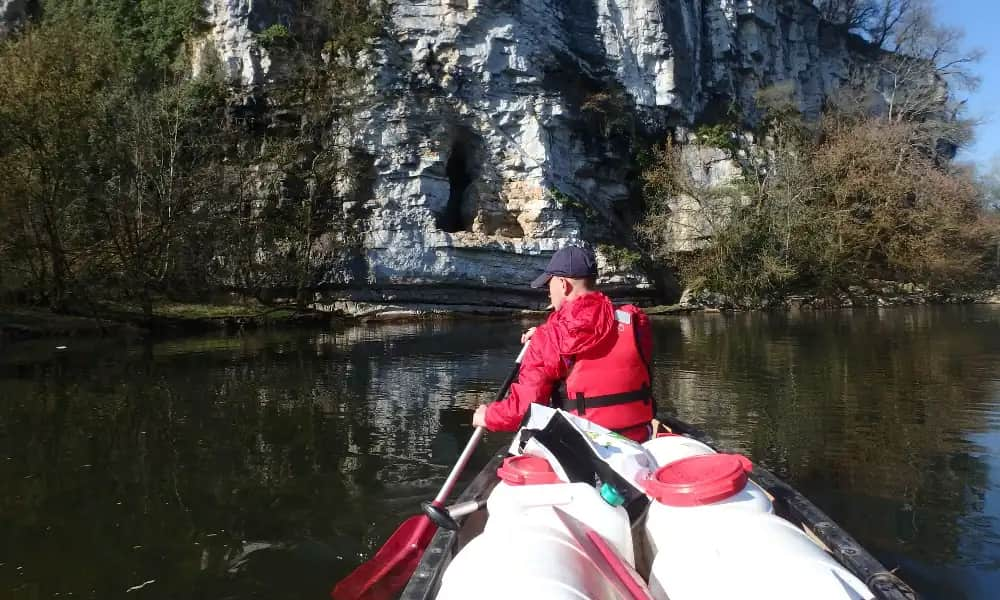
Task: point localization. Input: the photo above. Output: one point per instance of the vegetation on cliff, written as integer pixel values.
(124, 178)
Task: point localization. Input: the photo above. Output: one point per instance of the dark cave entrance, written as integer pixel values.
(456, 216)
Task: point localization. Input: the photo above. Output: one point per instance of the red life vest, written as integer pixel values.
(609, 384)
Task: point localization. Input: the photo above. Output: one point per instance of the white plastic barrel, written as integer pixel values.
(525, 562)
(714, 536)
(526, 550)
(512, 505)
(665, 449)
(750, 556)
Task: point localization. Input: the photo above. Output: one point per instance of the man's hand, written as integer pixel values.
(527, 335)
(479, 417)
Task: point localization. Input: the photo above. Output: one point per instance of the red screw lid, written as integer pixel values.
(527, 470)
(699, 480)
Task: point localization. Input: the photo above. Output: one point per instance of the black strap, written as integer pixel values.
(585, 402)
(580, 463)
(557, 399)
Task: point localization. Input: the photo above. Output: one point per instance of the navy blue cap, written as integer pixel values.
(577, 263)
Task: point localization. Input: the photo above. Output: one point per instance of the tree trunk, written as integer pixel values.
(57, 291)
(147, 304)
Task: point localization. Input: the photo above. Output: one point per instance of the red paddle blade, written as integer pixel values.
(384, 575)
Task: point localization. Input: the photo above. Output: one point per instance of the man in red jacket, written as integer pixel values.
(600, 355)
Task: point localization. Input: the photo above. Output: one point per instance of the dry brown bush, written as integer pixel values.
(896, 213)
(857, 200)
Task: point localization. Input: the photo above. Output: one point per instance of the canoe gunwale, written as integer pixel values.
(426, 579)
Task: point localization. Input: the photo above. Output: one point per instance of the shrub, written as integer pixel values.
(274, 35)
(621, 257)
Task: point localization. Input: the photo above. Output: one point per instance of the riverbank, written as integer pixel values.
(122, 320)
(879, 294)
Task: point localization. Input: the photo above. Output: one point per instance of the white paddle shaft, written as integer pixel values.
(470, 447)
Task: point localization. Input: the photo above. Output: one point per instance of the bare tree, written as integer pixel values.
(919, 80)
(989, 186)
(884, 19)
(158, 172)
(878, 20)
(918, 36)
(921, 77)
(853, 14)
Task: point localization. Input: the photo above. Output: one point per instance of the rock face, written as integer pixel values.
(501, 130)
(12, 14)
(694, 220)
(232, 41)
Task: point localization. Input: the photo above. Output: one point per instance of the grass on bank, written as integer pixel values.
(197, 312)
(27, 320)
(21, 322)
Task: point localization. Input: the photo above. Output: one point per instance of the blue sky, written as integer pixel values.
(981, 21)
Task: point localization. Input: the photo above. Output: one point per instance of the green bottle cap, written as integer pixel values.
(611, 495)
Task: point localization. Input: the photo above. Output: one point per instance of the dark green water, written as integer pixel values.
(267, 466)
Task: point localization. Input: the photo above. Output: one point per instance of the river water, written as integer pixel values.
(269, 465)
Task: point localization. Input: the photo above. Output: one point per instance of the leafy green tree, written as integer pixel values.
(149, 34)
(51, 76)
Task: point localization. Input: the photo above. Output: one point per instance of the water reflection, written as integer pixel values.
(228, 467)
(887, 419)
(267, 466)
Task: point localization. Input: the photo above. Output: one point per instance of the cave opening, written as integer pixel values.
(455, 217)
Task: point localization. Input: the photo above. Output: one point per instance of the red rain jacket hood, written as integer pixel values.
(581, 324)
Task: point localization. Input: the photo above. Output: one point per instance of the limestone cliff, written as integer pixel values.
(487, 115)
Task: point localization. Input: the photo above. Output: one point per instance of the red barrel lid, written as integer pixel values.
(527, 470)
(699, 480)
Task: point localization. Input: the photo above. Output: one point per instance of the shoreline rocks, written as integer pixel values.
(874, 294)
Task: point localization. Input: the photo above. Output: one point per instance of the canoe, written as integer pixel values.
(787, 503)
